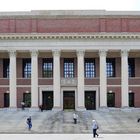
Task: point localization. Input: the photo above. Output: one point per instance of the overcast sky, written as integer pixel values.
(28, 5)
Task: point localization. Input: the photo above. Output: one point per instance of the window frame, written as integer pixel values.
(89, 68)
(45, 64)
(68, 68)
(26, 69)
(111, 67)
(6, 68)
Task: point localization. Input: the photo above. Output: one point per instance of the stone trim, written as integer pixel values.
(69, 36)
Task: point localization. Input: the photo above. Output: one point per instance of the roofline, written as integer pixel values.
(69, 13)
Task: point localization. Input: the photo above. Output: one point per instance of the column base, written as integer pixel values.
(80, 109)
(104, 109)
(56, 108)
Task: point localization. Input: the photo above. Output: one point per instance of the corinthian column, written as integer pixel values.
(56, 79)
(34, 79)
(13, 85)
(80, 86)
(124, 78)
(103, 79)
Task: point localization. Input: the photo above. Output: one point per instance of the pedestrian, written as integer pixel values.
(95, 127)
(41, 108)
(75, 117)
(29, 123)
(22, 105)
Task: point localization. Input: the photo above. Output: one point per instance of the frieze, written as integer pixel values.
(67, 36)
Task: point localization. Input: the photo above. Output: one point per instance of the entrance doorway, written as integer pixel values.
(6, 99)
(90, 100)
(47, 100)
(68, 99)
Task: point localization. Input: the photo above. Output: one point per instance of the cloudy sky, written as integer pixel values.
(27, 5)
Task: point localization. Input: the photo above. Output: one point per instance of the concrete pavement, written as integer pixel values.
(69, 137)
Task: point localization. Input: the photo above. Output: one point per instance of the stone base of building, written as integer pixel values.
(34, 109)
(104, 109)
(56, 108)
(126, 109)
(11, 109)
(80, 109)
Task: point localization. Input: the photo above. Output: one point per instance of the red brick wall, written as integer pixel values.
(70, 25)
(20, 92)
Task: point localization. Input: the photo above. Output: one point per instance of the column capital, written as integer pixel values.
(102, 52)
(124, 52)
(12, 52)
(34, 52)
(80, 52)
(56, 52)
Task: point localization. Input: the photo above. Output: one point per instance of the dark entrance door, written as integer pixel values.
(69, 100)
(6, 99)
(90, 100)
(131, 99)
(47, 100)
(111, 99)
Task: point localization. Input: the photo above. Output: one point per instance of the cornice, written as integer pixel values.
(68, 36)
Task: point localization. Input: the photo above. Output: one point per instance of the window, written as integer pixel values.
(68, 68)
(27, 68)
(111, 99)
(47, 67)
(110, 67)
(89, 67)
(131, 67)
(6, 68)
(27, 99)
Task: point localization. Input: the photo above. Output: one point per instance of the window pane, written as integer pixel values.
(6, 63)
(47, 67)
(69, 68)
(27, 68)
(89, 68)
(110, 67)
(131, 67)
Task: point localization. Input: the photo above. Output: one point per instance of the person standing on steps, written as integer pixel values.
(75, 117)
(95, 127)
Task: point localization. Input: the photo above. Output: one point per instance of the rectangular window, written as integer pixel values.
(27, 68)
(6, 63)
(110, 67)
(131, 67)
(47, 67)
(68, 67)
(89, 68)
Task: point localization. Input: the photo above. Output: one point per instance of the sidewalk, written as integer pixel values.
(69, 137)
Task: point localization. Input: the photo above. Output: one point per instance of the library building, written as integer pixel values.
(70, 59)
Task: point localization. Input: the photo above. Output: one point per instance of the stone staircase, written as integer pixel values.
(62, 122)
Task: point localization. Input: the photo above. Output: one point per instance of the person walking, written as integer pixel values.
(29, 123)
(95, 127)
